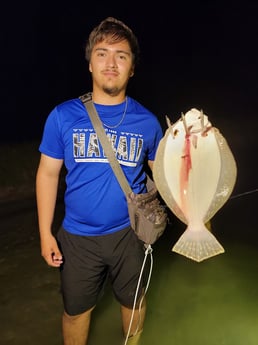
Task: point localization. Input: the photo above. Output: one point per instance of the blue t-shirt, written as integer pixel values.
(94, 201)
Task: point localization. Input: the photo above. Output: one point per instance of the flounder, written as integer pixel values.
(195, 173)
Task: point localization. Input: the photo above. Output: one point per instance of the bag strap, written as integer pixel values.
(105, 142)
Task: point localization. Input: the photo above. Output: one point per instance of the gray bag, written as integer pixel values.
(147, 216)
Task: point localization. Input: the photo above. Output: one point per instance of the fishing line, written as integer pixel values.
(243, 194)
(147, 251)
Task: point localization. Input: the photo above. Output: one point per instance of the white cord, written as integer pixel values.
(147, 251)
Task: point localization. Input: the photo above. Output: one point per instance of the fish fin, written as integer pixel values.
(198, 245)
(168, 121)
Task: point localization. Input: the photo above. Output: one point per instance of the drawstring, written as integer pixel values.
(147, 251)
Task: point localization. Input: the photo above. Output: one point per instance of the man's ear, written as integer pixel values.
(90, 69)
(132, 72)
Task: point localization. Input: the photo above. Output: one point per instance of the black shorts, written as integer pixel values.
(90, 260)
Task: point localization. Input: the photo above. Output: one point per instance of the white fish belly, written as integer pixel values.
(190, 190)
(194, 196)
(195, 172)
(198, 191)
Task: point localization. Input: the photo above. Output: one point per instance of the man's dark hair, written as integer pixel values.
(114, 31)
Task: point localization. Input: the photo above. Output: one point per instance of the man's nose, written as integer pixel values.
(111, 61)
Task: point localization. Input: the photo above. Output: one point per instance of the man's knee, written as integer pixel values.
(74, 318)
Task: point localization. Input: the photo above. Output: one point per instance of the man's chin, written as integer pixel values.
(111, 91)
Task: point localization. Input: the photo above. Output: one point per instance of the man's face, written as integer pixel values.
(111, 66)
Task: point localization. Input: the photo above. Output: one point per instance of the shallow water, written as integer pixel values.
(209, 303)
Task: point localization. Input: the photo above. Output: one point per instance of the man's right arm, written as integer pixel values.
(47, 180)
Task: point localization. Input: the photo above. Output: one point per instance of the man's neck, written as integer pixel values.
(101, 97)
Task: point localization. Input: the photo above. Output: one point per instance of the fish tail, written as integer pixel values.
(198, 245)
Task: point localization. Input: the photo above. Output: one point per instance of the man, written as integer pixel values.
(96, 240)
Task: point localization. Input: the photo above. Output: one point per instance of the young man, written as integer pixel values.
(96, 240)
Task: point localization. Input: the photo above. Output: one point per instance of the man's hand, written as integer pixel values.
(51, 252)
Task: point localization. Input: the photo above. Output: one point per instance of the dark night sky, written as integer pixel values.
(194, 54)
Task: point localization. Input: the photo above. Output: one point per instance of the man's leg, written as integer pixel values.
(76, 328)
(138, 319)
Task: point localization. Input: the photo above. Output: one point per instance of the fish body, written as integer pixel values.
(195, 173)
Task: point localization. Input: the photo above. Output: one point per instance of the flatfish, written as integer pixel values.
(195, 173)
